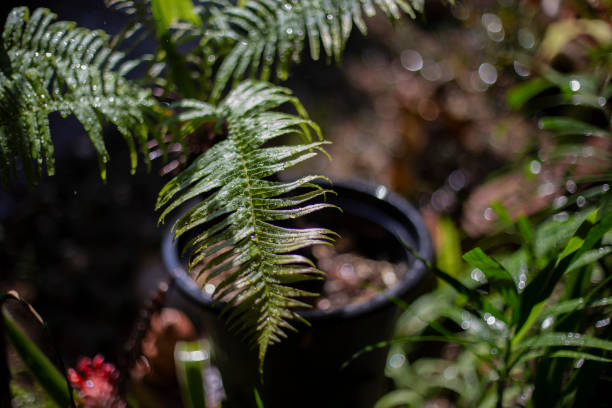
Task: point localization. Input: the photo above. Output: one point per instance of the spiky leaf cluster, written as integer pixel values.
(268, 32)
(240, 207)
(51, 66)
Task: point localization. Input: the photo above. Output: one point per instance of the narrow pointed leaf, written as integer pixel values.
(565, 340)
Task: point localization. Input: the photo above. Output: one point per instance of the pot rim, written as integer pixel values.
(412, 280)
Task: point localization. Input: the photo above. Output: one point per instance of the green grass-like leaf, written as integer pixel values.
(240, 207)
(53, 382)
(58, 67)
(564, 340)
(563, 126)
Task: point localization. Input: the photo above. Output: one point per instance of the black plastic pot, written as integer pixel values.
(304, 370)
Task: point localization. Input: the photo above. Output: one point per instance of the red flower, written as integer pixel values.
(95, 383)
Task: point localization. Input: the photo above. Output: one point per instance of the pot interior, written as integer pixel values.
(372, 225)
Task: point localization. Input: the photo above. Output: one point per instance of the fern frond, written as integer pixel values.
(240, 207)
(265, 32)
(59, 67)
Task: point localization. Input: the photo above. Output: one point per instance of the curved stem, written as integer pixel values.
(132, 349)
(504, 372)
(5, 375)
(55, 382)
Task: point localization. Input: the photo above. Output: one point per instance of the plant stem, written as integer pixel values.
(5, 375)
(132, 350)
(501, 384)
(505, 371)
(55, 382)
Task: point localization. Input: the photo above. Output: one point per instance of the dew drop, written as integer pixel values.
(457, 180)
(574, 85)
(492, 22)
(347, 272)
(487, 73)
(601, 101)
(546, 189)
(547, 322)
(323, 304)
(397, 360)
(535, 167)
(381, 192)
(521, 70)
(526, 38)
(559, 202)
(389, 278)
(561, 217)
(411, 60)
(477, 275)
(209, 288)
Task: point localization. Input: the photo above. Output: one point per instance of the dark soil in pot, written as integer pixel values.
(305, 369)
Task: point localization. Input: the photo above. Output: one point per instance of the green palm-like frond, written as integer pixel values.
(48, 67)
(240, 208)
(263, 32)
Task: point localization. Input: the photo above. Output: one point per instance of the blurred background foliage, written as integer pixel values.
(491, 115)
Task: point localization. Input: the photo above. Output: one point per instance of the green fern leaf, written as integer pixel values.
(51, 67)
(240, 208)
(268, 32)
